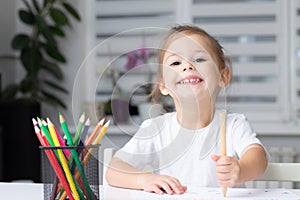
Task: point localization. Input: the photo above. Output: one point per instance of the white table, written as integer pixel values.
(32, 191)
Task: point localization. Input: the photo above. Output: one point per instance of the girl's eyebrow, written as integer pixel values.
(179, 53)
(201, 51)
(173, 54)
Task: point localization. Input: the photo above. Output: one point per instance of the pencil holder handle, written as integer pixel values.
(65, 175)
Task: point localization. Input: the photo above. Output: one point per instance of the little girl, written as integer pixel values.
(182, 148)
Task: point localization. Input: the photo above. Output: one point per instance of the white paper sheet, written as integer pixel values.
(195, 193)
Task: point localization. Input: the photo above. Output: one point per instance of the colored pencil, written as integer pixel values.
(45, 131)
(223, 141)
(76, 138)
(83, 135)
(95, 132)
(62, 143)
(85, 131)
(75, 155)
(51, 128)
(88, 155)
(63, 160)
(97, 141)
(78, 129)
(54, 163)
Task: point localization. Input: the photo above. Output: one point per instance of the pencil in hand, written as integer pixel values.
(223, 141)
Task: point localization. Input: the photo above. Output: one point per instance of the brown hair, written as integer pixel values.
(217, 53)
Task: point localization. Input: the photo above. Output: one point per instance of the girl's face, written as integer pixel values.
(189, 71)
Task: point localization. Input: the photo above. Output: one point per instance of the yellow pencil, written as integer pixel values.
(223, 141)
(103, 130)
(63, 160)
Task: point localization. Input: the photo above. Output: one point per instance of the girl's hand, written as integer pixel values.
(161, 183)
(228, 170)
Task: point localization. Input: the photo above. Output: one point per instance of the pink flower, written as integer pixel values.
(137, 58)
(131, 61)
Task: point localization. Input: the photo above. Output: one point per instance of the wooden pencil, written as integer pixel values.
(95, 132)
(223, 141)
(85, 131)
(103, 131)
(78, 129)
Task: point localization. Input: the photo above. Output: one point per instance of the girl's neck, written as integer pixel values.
(194, 116)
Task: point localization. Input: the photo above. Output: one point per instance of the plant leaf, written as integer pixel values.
(36, 6)
(55, 54)
(28, 84)
(26, 17)
(45, 2)
(27, 5)
(52, 99)
(50, 39)
(53, 69)
(44, 29)
(20, 41)
(57, 31)
(56, 86)
(71, 10)
(31, 59)
(10, 92)
(58, 17)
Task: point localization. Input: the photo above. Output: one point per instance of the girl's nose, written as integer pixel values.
(188, 66)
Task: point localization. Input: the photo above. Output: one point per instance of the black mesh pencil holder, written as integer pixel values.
(62, 176)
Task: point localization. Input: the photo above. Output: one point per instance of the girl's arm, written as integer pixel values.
(231, 172)
(121, 174)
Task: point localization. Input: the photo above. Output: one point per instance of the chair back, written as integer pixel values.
(285, 172)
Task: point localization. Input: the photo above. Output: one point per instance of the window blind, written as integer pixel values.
(295, 55)
(254, 35)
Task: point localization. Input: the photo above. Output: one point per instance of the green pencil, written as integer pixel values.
(45, 131)
(79, 128)
(75, 155)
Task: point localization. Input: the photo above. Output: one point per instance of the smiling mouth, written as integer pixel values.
(190, 81)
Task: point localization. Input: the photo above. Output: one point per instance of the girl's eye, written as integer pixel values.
(175, 63)
(199, 60)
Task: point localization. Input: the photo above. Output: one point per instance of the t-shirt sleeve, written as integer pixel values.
(139, 150)
(243, 136)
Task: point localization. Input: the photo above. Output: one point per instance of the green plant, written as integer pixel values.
(39, 51)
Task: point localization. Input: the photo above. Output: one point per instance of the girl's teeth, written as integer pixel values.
(190, 81)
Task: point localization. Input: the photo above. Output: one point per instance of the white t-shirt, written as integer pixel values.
(169, 149)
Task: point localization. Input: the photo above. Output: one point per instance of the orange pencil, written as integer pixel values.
(95, 132)
(97, 141)
(103, 131)
(223, 141)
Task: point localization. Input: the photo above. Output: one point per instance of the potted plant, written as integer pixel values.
(119, 100)
(39, 52)
(40, 56)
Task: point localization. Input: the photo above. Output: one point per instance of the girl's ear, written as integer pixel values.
(225, 77)
(163, 89)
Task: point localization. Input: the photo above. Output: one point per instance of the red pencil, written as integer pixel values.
(54, 162)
